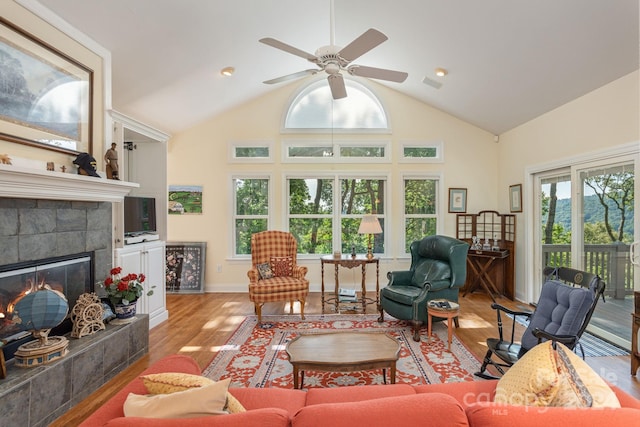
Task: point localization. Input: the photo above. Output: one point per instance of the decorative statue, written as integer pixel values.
(111, 157)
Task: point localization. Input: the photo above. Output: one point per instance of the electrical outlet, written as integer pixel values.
(219, 268)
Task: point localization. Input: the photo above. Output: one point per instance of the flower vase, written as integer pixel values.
(125, 313)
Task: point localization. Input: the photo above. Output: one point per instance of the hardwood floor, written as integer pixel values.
(199, 324)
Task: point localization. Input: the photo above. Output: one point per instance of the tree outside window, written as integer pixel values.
(251, 211)
(313, 211)
(420, 209)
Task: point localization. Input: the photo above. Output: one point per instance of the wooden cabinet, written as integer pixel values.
(492, 268)
(147, 258)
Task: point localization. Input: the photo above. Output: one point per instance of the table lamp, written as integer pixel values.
(369, 225)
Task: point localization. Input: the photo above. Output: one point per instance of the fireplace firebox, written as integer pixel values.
(72, 275)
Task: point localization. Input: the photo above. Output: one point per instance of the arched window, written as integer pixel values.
(313, 108)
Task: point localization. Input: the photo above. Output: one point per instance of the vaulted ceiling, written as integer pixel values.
(508, 61)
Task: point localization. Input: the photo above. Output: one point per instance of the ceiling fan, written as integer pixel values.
(333, 60)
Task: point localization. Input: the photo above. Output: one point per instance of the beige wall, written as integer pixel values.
(199, 157)
(605, 118)
(34, 25)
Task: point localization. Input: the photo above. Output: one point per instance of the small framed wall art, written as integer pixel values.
(457, 200)
(515, 198)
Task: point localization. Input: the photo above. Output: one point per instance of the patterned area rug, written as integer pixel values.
(255, 354)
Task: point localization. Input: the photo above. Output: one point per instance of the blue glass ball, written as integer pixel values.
(43, 309)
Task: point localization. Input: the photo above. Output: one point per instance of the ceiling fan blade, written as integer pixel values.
(287, 48)
(291, 76)
(377, 73)
(363, 44)
(336, 83)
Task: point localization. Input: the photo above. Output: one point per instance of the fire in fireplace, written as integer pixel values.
(72, 275)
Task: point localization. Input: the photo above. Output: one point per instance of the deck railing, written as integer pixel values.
(611, 262)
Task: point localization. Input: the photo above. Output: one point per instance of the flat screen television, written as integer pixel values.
(139, 215)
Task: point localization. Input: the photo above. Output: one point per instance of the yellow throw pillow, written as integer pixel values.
(580, 386)
(531, 381)
(195, 402)
(233, 405)
(172, 382)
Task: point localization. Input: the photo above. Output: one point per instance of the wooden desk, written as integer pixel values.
(488, 268)
(351, 262)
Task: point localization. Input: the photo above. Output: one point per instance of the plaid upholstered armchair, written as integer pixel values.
(274, 274)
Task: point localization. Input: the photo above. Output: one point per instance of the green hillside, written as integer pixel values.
(593, 213)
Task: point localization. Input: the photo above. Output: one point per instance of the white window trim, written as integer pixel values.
(438, 145)
(232, 208)
(440, 206)
(336, 145)
(336, 215)
(231, 151)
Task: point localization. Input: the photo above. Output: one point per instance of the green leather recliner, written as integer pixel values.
(438, 270)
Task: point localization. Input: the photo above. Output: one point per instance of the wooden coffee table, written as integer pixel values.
(343, 352)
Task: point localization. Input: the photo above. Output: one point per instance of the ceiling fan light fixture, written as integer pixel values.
(227, 71)
(441, 72)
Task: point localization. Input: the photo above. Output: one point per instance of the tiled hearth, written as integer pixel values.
(45, 214)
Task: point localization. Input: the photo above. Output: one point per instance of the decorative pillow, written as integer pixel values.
(195, 402)
(548, 377)
(173, 382)
(580, 385)
(282, 266)
(532, 380)
(265, 270)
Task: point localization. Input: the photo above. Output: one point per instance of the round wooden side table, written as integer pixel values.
(444, 309)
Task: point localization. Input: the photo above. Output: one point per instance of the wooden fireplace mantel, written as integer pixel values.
(21, 182)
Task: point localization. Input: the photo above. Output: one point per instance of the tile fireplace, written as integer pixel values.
(71, 274)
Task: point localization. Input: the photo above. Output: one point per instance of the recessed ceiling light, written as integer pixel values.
(227, 71)
(441, 72)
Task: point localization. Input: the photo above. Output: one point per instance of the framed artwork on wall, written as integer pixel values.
(185, 265)
(46, 99)
(185, 200)
(457, 200)
(515, 198)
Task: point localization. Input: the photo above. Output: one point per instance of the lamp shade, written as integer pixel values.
(369, 225)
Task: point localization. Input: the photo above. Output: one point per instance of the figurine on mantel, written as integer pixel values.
(5, 159)
(111, 157)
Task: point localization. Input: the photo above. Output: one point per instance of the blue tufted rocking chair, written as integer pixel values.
(567, 302)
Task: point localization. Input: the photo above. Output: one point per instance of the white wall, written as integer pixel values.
(605, 118)
(199, 157)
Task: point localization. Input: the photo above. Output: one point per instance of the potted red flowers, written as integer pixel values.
(124, 291)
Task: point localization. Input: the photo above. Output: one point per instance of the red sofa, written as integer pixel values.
(452, 404)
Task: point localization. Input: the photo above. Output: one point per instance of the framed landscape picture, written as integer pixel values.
(185, 266)
(45, 95)
(185, 200)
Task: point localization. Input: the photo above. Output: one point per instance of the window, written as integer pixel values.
(250, 212)
(335, 151)
(314, 109)
(421, 152)
(250, 151)
(324, 213)
(420, 208)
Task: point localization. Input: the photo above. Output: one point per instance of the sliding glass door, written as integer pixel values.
(585, 217)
